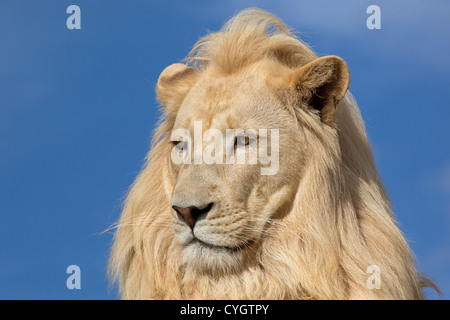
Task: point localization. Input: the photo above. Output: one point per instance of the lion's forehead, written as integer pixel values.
(226, 101)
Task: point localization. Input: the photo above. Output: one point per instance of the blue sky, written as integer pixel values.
(77, 109)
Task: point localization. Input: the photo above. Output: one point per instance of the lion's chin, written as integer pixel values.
(208, 258)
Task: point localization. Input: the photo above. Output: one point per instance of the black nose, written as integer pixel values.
(192, 213)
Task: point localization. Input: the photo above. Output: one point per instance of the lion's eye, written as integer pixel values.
(180, 145)
(243, 141)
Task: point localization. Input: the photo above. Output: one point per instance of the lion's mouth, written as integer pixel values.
(203, 244)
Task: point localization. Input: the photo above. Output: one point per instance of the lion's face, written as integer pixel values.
(220, 210)
(234, 156)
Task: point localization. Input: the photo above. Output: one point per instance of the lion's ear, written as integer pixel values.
(173, 84)
(322, 83)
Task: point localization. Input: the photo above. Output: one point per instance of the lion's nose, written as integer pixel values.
(192, 213)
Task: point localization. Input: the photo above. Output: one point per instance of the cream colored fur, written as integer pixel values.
(308, 232)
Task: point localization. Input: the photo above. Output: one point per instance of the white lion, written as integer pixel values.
(310, 231)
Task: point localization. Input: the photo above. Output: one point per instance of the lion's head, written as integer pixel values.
(306, 219)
